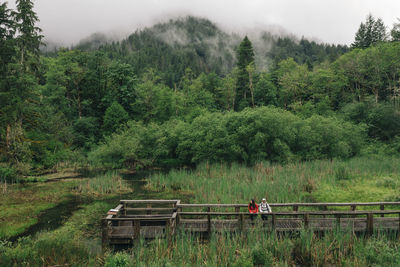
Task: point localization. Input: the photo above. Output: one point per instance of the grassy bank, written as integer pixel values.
(22, 204)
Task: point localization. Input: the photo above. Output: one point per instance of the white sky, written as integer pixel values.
(333, 21)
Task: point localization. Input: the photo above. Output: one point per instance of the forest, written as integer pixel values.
(180, 94)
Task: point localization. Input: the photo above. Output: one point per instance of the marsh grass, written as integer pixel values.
(258, 248)
(103, 184)
(356, 180)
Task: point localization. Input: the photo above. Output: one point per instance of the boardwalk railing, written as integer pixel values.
(133, 219)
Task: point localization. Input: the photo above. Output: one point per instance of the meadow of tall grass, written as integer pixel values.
(321, 180)
(107, 183)
(258, 248)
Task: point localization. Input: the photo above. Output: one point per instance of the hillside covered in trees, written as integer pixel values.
(184, 91)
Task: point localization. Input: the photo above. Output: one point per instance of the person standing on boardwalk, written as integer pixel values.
(264, 209)
(253, 209)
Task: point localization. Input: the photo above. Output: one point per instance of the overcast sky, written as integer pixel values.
(333, 21)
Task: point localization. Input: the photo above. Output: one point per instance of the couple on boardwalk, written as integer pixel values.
(262, 208)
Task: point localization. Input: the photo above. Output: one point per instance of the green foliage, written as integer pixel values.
(261, 257)
(118, 260)
(369, 33)
(85, 130)
(137, 146)
(7, 174)
(114, 117)
(247, 136)
(245, 56)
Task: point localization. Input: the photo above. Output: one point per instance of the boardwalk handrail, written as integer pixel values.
(344, 213)
(328, 204)
(145, 201)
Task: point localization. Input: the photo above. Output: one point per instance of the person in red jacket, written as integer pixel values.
(253, 209)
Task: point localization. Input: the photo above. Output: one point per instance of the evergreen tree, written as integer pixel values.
(245, 56)
(29, 38)
(395, 32)
(370, 33)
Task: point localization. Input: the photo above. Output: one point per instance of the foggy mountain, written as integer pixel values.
(202, 46)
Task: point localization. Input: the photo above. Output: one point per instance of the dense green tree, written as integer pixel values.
(293, 80)
(245, 56)
(395, 32)
(114, 117)
(369, 33)
(29, 38)
(265, 91)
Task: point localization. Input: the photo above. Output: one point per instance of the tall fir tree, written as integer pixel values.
(18, 85)
(395, 32)
(245, 56)
(29, 38)
(369, 33)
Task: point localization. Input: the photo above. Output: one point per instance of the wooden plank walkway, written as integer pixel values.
(135, 219)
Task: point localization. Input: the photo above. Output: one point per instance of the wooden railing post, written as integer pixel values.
(273, 222)
(241, 222)
(324, 208)
(382, 207)
(136, 229)
(306, 220)
(370, 224)
(149, 207)
(353, 207)
(104, 239)
(399, 227)
(338, 222)
(237, 210)
(209, 221)
(169, 231)
(295, 209)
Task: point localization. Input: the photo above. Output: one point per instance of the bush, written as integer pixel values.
(261, 256)
(118, 260)
(8, 174)
(263, 133)
(244, 260)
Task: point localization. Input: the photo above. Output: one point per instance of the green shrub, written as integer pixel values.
(8, 174)
(244, 260)
(387, 182)
(118, 260)
(261, 256)
(249, 136)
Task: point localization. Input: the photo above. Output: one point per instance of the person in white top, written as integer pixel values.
(264, 209)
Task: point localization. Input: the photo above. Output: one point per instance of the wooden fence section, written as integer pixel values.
(135, 219)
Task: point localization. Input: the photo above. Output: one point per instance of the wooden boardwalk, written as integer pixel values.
(135, 219)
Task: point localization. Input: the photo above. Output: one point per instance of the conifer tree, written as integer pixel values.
(369, 33)
(395, 32)
(245, 56)
(29, 38)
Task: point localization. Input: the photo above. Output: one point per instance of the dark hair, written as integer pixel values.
(252, 203)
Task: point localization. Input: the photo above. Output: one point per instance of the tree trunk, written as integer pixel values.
(8, 132)
(79, 103)
(251, 89)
